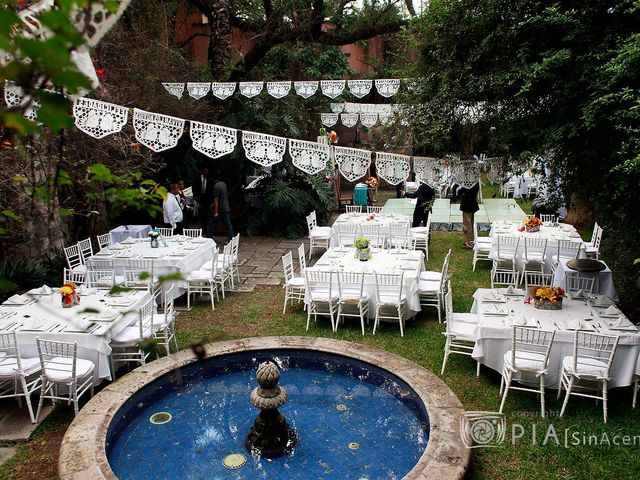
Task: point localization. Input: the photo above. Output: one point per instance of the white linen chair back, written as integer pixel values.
(389, 288)
(302, 258)
(73, 256)
(503, 278)
(373, 233)
(86, 249)
(319, 284)
(104, 240)
(353, 208)
(568, 249)
(526, 340)
(534, 246)
(576, 282)
(548, 218)
(350, 285)
(593, 346)
(55, 356)
(69, 275)
(287, 266)
(374, 210)
(346, 233)
(536, 279)
(594, 233)
(101, 273)
(138, 274)
(192, 232)
(506, 246)
(166, 232)
(145, 319)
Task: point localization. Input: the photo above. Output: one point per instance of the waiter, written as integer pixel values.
(172, 209)
(424, 202)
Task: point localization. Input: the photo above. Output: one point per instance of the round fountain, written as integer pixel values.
(270, 436)
(351, 412)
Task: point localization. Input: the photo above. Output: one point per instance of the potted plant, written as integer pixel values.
(362, 248)
(548, 298)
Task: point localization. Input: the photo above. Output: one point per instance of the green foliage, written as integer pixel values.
(549, 77)
(285, 205)
(17, 275)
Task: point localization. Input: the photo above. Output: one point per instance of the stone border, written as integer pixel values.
(83, 456)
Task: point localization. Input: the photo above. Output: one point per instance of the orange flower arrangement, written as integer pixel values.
(553, 294)
(532, 222)
(372, 182)
(68, 292)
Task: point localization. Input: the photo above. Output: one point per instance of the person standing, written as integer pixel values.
(203, 193)
(220, 207)
(468, 207)
(186, 203)
(424, 202)
(172, 209)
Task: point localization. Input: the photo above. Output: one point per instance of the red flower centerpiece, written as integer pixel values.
(372, 182)
(548, 298)
(69, 295)
(532, 224)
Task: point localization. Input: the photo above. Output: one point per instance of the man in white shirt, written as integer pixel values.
(172, 209)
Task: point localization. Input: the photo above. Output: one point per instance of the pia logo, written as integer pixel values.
(482, 429)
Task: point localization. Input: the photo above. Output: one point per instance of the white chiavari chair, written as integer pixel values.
(129, 344)
(318, 236)
(352, 299)
(192, 232)
(460, 333)
(390, 301)
(322, 297)
(293, 285)
(18, 375)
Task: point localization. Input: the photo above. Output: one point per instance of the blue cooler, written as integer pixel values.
(360, 195)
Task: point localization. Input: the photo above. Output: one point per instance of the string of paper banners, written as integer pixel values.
(367, 113)
(387, 87)
(158, 132)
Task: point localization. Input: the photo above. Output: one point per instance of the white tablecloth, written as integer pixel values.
(603, 283)
(123, 232)
(45, 318)
(182, 254)
(494, 336)
(563, 231)
(411, 263)
(358, 219)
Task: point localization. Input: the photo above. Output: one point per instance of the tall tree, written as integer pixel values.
(271, 23)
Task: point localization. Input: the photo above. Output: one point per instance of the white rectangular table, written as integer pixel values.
(411, 263)
(552, 233)
(603, 280)
(123, 232)
(44, 317)
(182, 254)
(493, 335)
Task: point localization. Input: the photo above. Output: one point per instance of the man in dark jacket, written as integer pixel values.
(425, 195)
(468, 207)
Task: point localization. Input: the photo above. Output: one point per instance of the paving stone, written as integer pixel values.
(262, 269)
(267, 281)
(6, 453)
(15, 423)
(257, 275)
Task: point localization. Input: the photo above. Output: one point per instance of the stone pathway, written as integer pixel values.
(260, 259)
(15, 423)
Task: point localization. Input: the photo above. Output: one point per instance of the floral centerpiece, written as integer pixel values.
(153, 235)
(372, 182)
(69, 295)
(532, 224)
(362, 248)
(548, 298)
(329, 137)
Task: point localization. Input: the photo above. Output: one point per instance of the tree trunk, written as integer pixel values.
(220, 40)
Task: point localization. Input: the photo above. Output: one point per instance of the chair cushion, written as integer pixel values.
(590, 249)
(320, 233)
(9, 366)
(431, 275)
(463, 330)
(79, 269)
(534, 257)
(586, 367)
(428, 286)
(60, 370)
(388, 299)
(466, 317)
(353, 297)
(199, 275)
(419, 230)
(128, 335)
(297, 282)
(159, 320)
(529, 361)
(487, 240)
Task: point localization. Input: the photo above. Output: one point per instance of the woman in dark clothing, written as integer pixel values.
(425, 195)
(468, 207)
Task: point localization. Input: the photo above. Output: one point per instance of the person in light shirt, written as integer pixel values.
(172, 209)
